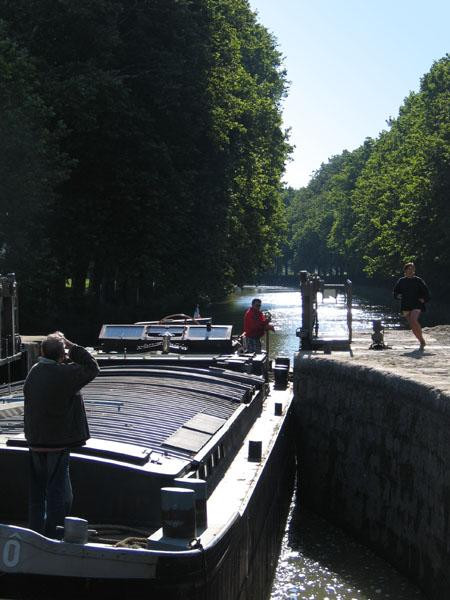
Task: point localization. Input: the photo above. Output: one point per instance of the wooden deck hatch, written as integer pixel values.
(195, 433)
(187, 439)
(205, 423)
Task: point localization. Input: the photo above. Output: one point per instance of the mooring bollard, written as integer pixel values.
(281, 372)
(178, 512)
(254, 450)
(76, 530)
(283, 360)
(200, 489)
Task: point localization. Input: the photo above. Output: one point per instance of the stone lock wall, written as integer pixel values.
(374, 457)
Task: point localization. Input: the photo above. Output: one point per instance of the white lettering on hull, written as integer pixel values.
(11, 553)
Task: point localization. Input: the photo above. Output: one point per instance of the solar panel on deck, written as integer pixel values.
(202, 332)
(122, 331)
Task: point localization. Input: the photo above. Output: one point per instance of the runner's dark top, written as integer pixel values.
(411, 289)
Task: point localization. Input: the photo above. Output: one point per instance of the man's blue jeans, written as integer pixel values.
(50, 491)
(253, 345)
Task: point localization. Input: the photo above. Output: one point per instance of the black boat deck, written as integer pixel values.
(147, 407)
(148, 424)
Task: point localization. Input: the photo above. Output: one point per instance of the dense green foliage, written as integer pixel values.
(369, 210)
(31, 168)
(141, 151)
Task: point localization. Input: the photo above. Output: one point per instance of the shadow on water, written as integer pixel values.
(320, 562)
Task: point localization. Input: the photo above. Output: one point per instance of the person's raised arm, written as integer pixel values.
(85, 368)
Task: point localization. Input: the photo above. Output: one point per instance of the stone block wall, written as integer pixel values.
(374, 457)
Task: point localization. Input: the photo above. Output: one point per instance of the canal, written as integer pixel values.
(318, 561)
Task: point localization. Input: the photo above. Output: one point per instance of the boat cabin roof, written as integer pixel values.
(182, 337)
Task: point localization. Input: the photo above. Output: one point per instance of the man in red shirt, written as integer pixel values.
(255, 326)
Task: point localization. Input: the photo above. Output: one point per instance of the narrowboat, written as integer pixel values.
(184, 487)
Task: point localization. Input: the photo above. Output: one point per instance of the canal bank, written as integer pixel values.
(374, 448)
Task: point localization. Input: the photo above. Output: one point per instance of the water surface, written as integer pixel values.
(284, 304)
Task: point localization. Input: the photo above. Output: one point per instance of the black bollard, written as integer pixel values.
(200, 490)
(254, 451)
(76, 530)
(178, 512)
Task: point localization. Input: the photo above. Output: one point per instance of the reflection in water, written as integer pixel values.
(318, 561)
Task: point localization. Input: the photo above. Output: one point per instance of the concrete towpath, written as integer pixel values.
(403, 357)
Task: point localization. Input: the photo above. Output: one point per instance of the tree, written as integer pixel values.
(31, 166)
(322, 217)
(171, 112)
(386, 202)
(402, 208)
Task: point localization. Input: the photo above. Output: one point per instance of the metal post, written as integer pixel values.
(315, 316)
(166, 342)
(8, 366)
(309, 286)
(349, 294)
(1, 318)
(14, 323)
(305, 331)
(7, 312)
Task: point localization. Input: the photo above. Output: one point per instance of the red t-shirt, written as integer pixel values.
(255, 323)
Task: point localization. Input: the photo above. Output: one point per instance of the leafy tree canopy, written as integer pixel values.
(155, 145)
(369, 210)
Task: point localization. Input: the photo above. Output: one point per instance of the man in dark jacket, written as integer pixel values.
(55, 422)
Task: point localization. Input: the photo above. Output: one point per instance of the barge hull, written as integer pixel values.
(239, 564)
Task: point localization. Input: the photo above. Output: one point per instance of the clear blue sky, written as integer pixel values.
(351, 63)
